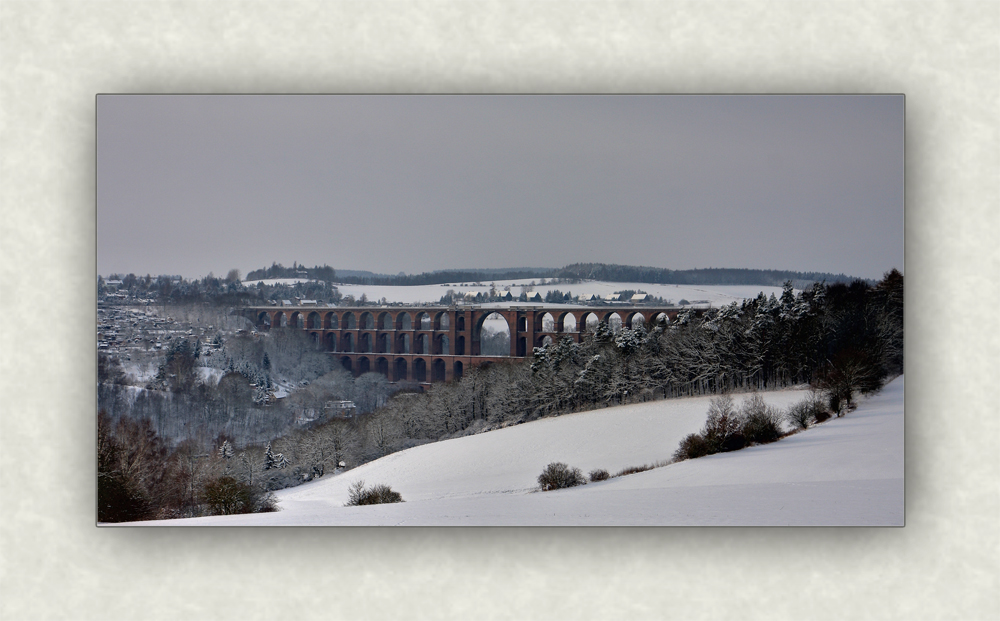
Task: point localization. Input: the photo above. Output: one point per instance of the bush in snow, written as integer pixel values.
(599, 475)
(760, 422)
(634, 470)
(375, 495)
(227, 495)
(727, 429)
(723, 427)
(558, 475)
(810, 409)
(692, 447)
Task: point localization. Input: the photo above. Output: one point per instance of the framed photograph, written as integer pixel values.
(500, 310)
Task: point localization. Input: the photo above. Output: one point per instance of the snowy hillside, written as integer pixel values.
(847, 471)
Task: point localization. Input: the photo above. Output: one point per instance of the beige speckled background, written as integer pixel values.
(55, 56)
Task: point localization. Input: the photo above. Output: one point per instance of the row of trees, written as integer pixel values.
(277, 270)
(710, 276)
(571, 273)
(224, 292)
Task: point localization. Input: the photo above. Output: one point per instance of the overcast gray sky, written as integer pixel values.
(191, 184)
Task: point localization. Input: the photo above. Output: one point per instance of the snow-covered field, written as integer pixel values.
(847, 471)
(698, 295)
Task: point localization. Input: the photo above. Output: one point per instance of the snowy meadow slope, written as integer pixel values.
(847, 471)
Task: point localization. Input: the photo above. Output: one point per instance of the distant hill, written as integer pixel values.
(577, 271)
(710, 276)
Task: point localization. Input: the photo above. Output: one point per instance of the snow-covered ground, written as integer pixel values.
(698, 295)
(847, 471)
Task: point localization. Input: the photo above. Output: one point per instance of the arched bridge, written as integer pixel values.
(437, 343)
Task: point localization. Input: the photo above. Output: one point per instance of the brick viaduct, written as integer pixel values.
(434, 344)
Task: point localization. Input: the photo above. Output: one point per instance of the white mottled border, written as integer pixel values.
(56, 56)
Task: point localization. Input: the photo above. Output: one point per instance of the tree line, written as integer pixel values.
(572, 273)
(709, 276)
(210, 290)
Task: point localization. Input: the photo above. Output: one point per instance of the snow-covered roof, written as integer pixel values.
(638, 297)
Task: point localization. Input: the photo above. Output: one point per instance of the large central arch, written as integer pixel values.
(493, 335)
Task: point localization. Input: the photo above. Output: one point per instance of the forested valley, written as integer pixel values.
(181, 446)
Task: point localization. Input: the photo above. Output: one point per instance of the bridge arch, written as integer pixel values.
(404, 321)
(442, 346)
(438, 373)
(383, 344)
(365, 343)
(382, 366)
(419, 370)
(349, 321)
(458, 370)
(589, 322)
(422, 344)
(385, 321)
(566, 322)
(545, 322)
(614, 321)
(399, 370)
(492, 339)
(297, 320)
(635, 320)
(330, 321)
(423, 321)
(404, 344)
(347, 342)
(330, 341)
(264, 320)
(367, 321)
(441, 321)
(364, 365)
(345, 362)
(314, 321)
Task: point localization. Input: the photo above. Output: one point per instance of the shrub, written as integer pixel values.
(558, 475)
(835, 403)
(761, 423)
(633, 470)
(722, 422)
(599, 475)
(799, 415)
(811, 409)
(850, 370)
(692, 447)
(227, 496)
(375, 495)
